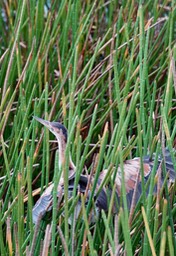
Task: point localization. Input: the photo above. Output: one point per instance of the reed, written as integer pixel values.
(106, 70)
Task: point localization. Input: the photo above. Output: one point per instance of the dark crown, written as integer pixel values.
(60, 127)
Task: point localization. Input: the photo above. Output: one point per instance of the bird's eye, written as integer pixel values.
(52, 129)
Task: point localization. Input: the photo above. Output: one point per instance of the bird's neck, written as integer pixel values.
(62, 156)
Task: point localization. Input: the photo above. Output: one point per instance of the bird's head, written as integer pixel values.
(55, 127)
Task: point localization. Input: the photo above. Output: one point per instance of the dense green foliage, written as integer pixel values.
(106, 69)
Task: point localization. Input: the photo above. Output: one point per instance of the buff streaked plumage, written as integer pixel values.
(132, 177)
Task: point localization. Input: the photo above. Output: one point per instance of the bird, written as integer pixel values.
(132, 178)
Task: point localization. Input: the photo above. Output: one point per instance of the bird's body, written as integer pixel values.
(132, 177)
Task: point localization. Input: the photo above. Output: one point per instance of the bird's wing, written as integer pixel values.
(132, 169)
(45, 202)
(167, 160)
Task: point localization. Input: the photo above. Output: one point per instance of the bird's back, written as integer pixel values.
(132, 176)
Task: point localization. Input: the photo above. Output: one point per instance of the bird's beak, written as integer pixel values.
(47, 124)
